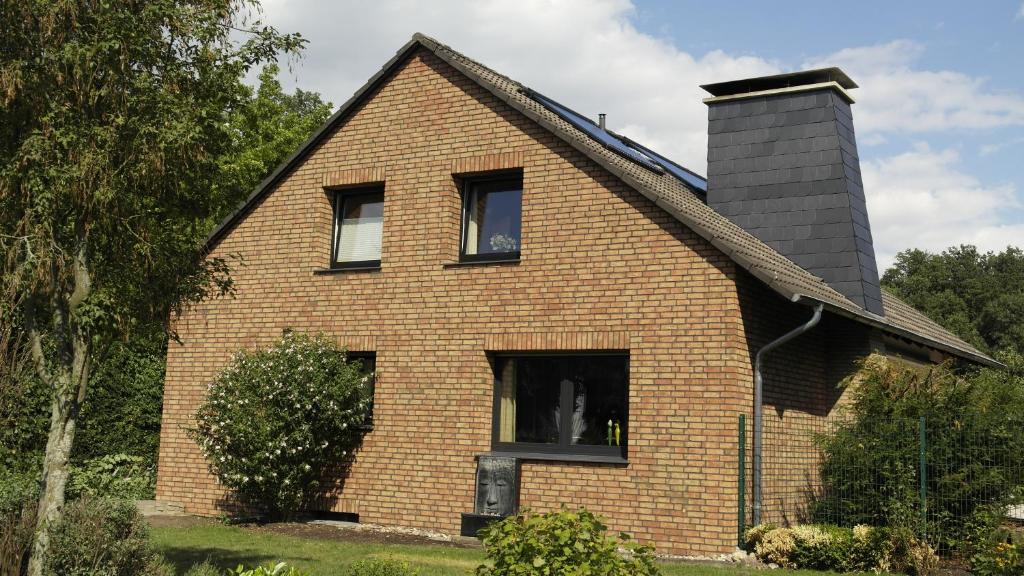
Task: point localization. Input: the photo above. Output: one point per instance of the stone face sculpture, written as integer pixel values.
(497, 486)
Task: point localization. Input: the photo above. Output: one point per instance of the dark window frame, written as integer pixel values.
(364, 355)
(468, 182)
(563, 448)
(338, 199)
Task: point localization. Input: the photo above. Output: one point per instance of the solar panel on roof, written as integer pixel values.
(681, 173)
(588, 126)
(622, 146)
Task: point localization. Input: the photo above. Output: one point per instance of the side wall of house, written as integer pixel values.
(601, 268)
(802, 394)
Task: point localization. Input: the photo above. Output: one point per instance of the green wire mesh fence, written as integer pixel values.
(948, 484)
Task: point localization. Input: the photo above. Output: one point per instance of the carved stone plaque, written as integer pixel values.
(497, 486)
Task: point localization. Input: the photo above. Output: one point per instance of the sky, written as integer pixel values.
(939, 113)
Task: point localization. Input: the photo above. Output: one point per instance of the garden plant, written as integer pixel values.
(275, 420)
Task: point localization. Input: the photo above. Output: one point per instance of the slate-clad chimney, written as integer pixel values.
(782, 164)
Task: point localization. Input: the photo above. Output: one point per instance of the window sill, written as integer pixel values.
(329, 271)
(551, 457)
(486, 262)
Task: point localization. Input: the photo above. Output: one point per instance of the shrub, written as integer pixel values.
(1001, 555)
(825, 547)
(558, 543)
(17, 530)
(113, 476)
(1003, 559)
(381, 568)
(100, 537)
(24, 422)
(121, 414)
(974, 451)
(204, 569)
(279, 569)
(275, 419)
(16, 488)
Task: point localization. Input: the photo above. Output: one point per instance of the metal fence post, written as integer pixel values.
(923, 476)
(741, 501)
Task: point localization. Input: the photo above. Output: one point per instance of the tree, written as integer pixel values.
(979, 297)
(112, 116)
(264, 131)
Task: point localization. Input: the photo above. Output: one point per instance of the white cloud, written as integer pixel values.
(1020, 13)
(921, 199)
(584, 53)
(990, 149)
(895, 97)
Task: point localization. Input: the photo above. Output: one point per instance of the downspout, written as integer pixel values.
(758, 393)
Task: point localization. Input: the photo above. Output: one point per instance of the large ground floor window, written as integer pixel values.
(569, 404)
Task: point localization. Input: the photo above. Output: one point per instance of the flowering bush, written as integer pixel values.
(274, 420)
(1002, 557)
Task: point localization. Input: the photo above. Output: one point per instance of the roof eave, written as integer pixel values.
(881, 324)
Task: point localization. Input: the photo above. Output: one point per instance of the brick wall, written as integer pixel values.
(601, 267)
(802, 395)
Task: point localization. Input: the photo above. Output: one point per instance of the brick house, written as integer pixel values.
(498, 256)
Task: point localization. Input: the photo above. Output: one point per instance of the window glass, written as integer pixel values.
(532, 391)
(493, 217)
(359, 227)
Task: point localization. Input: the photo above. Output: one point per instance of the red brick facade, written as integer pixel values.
(602, 267)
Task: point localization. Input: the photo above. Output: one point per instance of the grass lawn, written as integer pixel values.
(229, 546)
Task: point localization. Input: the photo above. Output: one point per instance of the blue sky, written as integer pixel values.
(939, 114)
(981, 39)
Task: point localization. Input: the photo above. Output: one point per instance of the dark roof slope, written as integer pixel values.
(669, 192)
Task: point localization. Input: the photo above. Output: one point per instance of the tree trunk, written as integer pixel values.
(69, 379)
(67, 399)
(55, 475)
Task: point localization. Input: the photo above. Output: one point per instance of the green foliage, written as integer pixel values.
(24, 415)
(16, 488)
(979, 297)
(275, 419)
(381, 568)
(558, 543)
(113, 476)
(265, 130)
(203, 569)
(279, 569)
(1000, 557)
(122, 413)
(17, 530)
(974, 451)
(826, 547)
(100, 537)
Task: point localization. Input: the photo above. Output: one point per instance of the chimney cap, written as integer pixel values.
(790, 80)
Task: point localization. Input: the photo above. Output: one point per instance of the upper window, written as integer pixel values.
(358, 225)
(571, 404)
(492, 218)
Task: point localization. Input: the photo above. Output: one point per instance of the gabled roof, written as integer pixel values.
(678, 196)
